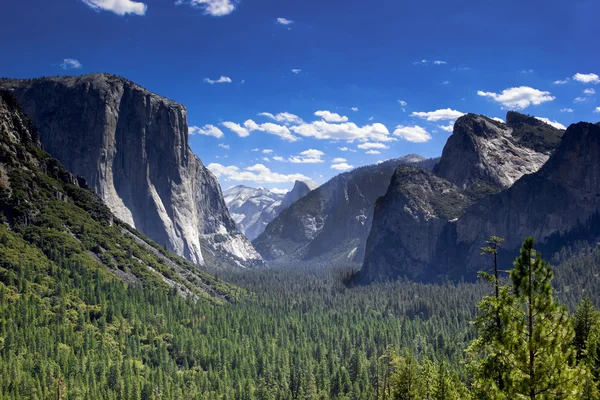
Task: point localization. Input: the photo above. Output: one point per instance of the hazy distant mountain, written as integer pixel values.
(331, 223)
(253, 208)
(132, 147)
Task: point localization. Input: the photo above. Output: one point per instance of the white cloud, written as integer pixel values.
(331, 117)
(273, 129)
(555, 124)
(373, 152)
(343, 148)
(354, 109)
(347, 131)
(368, 146)
(338, 160)
(236, 128)
(439, 115)
(341, 166)
(284, 21)
(208, 130)
(526, 71)
(278, 158)
(438, 62)
(267, 151)
(70, 63)
(224, 146)
(222, 79)
(119, 7)
(278, 191)
(446, 83)
(498, 119)
(561, 81)
(580, 99)
(519, 97)
(447, 128)
(422, 62)
(586, 78)
(256, 173)
(216, 8)
(597, 110)
(296, 70)
(266, 159)
(415, 134)
(310, 156)
(461, 68)
(589, 91)
(283, 117)
(567, 110)
(402, 103)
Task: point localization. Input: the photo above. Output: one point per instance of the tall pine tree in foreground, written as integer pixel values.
(536, 342)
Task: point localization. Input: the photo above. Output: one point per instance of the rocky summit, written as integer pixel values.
(431, 226)
(131, 145)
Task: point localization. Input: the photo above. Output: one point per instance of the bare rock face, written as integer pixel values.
(407, 223)
(299, 190)
(132, 147)
(485, 156)
(331, 223)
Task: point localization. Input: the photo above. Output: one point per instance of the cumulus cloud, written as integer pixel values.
(278, 191)
(586, 78)
(589, 91)
(446, 83)
(338, 160)
(341, 166)
(439, 115)
(369, 145)
(414, 134)
(256, 173)
(347, 131)
(222, 79)
(597, 110)
(224, 146)
(284, 21)
(354, 109)
(498, 119)
(207, 130)
(518, 97)
(236, 128)
(331, 117)
(555, 124)
(267, 151)
(278, 158)
(439, 62)
(215, 8)
(70, 63)
(283, 117)
(119, 7)
(402, 103)
(271, 128)
(310, 156)
(266, 159)
(447, 128)
(296, 70)
(567, 110)
(343, 148)
(580, 99)
(373, 152)
(561, 81)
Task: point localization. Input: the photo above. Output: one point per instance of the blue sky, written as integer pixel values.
(278, 90)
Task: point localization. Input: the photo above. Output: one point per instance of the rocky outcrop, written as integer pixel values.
(132, 147)
(331, 223)
(407, 222)
(485, 156)
(558, 204)
(299, 190)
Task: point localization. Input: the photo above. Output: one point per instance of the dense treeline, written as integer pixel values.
(67, 332)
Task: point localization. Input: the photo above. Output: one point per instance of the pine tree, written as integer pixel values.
(584, 319)
(536, 341)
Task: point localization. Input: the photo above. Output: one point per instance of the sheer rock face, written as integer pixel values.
(299, 190)
(132, 147)
(412, 236)
(331, 223)
(486, 156)
(407, 223)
